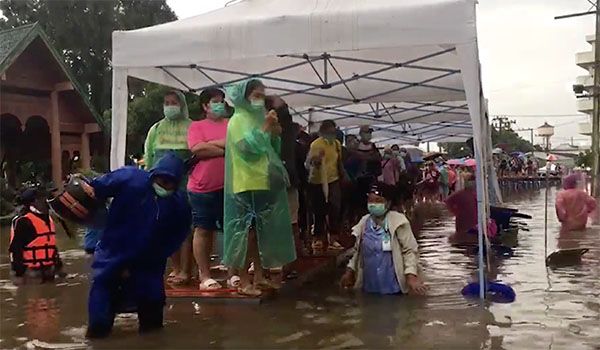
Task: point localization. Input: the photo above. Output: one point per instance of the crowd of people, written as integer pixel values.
(275, 191)
(519, 165)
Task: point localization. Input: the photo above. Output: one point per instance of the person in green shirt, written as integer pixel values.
(170, 135)
(257, 221)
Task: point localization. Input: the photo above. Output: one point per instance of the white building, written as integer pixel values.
(585, 60)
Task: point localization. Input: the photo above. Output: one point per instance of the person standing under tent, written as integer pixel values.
(430, 182)
(257, 219)
(301, 149)
(206, 140)
(444, 179)
(386, 258)
(148, 219)
(573, 205)
(407, 184)
(397, 155)
(289, 134)
(351, 198)
(390, 167)
(452, 178)
(170, 135)
(370, 168)
(325, 166)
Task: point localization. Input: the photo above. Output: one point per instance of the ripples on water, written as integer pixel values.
(555, 309)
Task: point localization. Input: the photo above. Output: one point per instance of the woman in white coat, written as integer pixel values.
(386, 258)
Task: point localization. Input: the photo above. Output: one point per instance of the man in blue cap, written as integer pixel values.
(147, 221)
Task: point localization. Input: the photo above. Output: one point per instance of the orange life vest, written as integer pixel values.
(42, 250)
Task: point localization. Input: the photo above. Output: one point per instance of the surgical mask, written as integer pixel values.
(171, 112)
(387, 156)
(376, 209)
(218, 109)
(161, 191)
(258, 105)
(365, 136)
(396, 153)
(403, 154)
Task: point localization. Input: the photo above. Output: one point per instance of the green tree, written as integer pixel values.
(82, 31)
(508, 139)
(584, 159)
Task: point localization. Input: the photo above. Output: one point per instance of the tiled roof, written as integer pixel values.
(10, 42)
(14, 41)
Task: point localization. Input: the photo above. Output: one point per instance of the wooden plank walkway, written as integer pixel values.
(308, 268)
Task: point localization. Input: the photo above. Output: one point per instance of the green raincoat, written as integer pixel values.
(255, 188)
(169, 135)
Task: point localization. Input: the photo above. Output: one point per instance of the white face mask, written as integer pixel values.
(34, 210)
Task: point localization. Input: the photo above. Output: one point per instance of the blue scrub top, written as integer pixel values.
(379, 275)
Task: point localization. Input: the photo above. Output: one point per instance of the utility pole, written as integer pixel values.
(596, 116)
(530, 133)
(503, 122)
(595, 94)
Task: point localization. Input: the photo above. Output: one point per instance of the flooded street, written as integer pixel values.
(554, 309)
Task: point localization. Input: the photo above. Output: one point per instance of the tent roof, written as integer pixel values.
(372, 62)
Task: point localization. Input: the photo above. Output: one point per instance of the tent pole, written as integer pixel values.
(118, 141)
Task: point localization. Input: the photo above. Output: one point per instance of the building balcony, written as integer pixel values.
(585, 59)
(586, 80)
(585, 128)
(585, 105)
(590, 39)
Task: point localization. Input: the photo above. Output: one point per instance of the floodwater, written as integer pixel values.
(554, 309)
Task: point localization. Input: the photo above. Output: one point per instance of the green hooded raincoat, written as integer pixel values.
(169, 135)
(255, 188)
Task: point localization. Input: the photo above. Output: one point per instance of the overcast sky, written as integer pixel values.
(528, 58)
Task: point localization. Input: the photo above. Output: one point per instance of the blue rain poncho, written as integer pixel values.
(255, 188)
(141, 231)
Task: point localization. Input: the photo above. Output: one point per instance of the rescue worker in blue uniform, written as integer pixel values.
(147, 221)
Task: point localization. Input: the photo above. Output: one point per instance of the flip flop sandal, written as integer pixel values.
(180, 281)
(234, 282)
(171, 276)
(318, 246)
(336, 246)
(210, 285)
(249, 291)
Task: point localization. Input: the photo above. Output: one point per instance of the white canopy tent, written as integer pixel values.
(397, 65)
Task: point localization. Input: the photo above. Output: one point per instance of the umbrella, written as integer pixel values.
(470, 162)
(455, 162)
(551, 158)
(415, 153)
(432, 155)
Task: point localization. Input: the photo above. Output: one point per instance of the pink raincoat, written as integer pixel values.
(573, 205)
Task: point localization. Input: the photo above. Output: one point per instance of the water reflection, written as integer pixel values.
(555, 308)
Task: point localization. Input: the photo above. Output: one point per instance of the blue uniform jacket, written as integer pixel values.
(142, 229)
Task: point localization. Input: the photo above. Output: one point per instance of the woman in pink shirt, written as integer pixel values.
(573, 205)
(206, 140)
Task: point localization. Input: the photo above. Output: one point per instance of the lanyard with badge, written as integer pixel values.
(386, 240)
